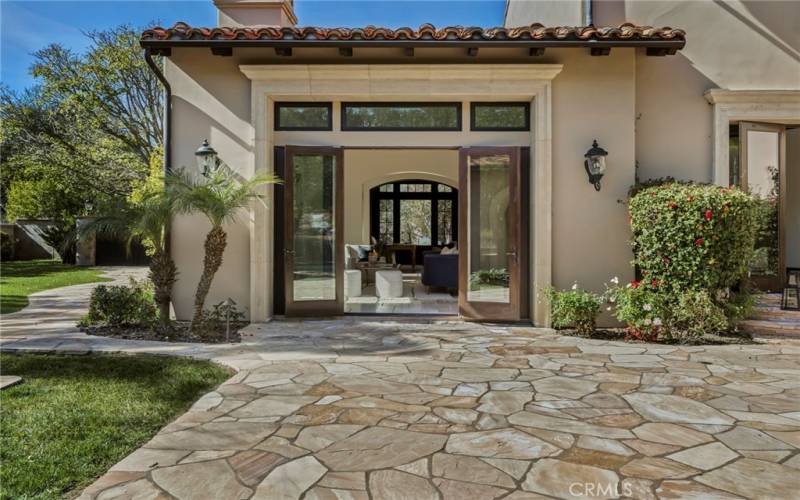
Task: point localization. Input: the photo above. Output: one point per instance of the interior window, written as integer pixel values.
(414, 212)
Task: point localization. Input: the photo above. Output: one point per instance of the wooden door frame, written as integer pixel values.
(778, 282)
(487, 311)
(317, 307)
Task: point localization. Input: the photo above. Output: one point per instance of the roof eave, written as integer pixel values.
(670, 45)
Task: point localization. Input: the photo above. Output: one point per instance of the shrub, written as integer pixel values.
(120, 306)
(651, 313)
(6, 247)
(491, 277)
(641, 307)
(693, 237)
(574, 308)
(693, 315)
(214, 322)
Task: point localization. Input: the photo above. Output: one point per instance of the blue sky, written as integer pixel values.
(27, 26)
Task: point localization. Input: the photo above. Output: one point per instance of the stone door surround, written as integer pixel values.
(420, 82)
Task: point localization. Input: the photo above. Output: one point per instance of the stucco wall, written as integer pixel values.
(211, 99)
(674, 122)
(593, 97)
(731, 45)
(547, 12)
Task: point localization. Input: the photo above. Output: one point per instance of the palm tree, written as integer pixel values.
(145, 220)
(219, 196)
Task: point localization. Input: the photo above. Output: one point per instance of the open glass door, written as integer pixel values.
(490, 216)
(313, 231)
(762, 150)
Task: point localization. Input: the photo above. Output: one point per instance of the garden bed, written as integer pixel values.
(178, 332)
(619, 334)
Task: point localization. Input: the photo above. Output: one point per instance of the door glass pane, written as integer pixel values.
(490, 244)
(763, 180)
(415, 222)
(314, 242)
(386, 219)
(444, 225)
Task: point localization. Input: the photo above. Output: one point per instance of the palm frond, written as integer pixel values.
(220, 196)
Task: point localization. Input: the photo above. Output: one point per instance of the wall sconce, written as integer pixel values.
(207, 159)
(595, 164)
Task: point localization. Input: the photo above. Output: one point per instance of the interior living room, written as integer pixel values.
(401, 231)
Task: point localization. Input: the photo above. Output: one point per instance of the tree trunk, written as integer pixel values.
(216, 239)
(163, 275)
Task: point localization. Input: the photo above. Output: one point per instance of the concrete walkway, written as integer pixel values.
(56, 311)
(383, 408)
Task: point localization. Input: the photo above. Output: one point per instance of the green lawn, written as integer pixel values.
(76, 416)
(18, 279)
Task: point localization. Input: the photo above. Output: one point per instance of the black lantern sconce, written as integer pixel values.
(595, 164)
(207, 159)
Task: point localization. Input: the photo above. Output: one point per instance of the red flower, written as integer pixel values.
(698, 242)
(654, 283)
(673, 205)
(634, 284)
(708, 215)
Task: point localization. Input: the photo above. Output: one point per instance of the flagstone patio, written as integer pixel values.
(384, 409)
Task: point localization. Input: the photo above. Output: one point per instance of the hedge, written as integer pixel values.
(693, 237)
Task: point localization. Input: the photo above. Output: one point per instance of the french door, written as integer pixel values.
(762, 172)
(493, 232)
(313, 231)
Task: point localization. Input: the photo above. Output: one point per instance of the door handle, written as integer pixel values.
(514, 254)
(288, 252)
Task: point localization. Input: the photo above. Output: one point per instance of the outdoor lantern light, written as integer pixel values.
(206, 158)
(595, 164)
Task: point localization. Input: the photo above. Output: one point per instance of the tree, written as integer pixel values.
(220, 197)
(85, 134)
(146, 219)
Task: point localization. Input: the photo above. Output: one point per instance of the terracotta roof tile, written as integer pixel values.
(426, 32)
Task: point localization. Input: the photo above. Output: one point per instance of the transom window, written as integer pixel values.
(508, 116)
(367, 116)
(303, 116)
(414, 212)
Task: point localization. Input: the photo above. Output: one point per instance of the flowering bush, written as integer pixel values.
(693, 237)
(574, 308)
(641, 307)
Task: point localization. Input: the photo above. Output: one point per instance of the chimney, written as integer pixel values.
(255, 13)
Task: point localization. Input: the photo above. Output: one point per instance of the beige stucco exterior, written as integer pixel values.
(650, 111)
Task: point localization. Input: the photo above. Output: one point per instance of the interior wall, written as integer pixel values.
(365, 169)
(793, 197)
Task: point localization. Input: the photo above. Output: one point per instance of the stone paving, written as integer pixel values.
(389, 409)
